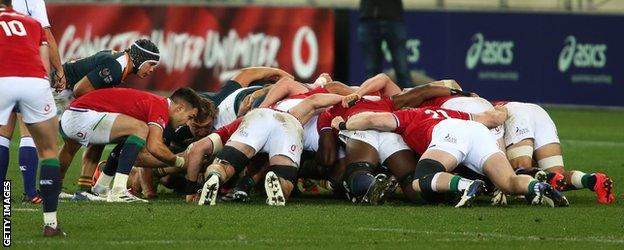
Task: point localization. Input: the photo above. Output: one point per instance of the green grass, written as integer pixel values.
(591, 139)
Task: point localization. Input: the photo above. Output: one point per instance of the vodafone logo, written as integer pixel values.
(305, 52)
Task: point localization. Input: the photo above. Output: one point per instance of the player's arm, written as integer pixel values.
(281, 89)
(249, 100)
(208, 145)
(146, 160)
(382, 121)
(248, 75)
(415, 96)
(306, 109)
(157, 148)
(44, 53)
(82, 87)
(449, 83)
(339, 88)
(491, 118)
(55, 60)
(381, 82)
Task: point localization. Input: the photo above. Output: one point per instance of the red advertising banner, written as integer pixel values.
(201, 46)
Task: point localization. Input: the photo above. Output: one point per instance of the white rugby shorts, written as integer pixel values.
(87, 126)
(468, 141)
(473, 105)
(272, 132)
(386, 143)
(31, 95)
(527, 120)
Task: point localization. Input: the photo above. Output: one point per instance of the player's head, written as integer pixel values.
(201, 128)
(185, 105)
(145, 56)
(6, 3)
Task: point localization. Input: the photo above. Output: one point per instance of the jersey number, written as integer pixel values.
(435, 114)
(13, 27)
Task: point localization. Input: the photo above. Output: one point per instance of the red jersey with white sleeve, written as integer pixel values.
(416, 125)
(437, 101)
(226, 131)
(144, 106)
(20, 39)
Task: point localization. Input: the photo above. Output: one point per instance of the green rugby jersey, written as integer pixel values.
(104, 69)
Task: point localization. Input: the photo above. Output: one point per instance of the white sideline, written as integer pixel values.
(485, 235)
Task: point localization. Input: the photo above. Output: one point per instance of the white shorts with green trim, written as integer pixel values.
(87, 126)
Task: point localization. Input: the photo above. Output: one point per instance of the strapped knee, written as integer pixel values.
(425, 173)
(357, 167)
(550, 162)
(234, 157)
(428, 167)
(286, 172)
(520, 151)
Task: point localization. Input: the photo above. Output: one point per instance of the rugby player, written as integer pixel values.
(23, 83)
(531, 133)
(443, 143)
(134, 117)
(28, 159)
(277, 133)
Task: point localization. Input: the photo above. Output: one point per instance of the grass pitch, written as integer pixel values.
(592, 140)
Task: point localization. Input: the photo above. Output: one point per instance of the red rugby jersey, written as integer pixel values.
(416, 125)
(144, 106)
(20, 39)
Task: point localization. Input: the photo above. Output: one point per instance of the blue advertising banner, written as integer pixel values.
(533, 57)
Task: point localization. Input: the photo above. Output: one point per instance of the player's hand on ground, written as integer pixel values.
(192, 198)
(349, 100)
(336, 122)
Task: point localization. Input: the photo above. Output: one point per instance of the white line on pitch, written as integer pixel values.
(503, 236)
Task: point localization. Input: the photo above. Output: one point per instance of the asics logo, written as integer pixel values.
(489, 52)
(582, 55)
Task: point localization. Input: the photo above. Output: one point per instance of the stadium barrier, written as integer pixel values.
(200, 46)
(537, 57)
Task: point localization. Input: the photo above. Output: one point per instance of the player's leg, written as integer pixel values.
(285, 146)
(432, 180)
(6, 133)
(361, 159)
(402, 164)
(135, 133)
(280, 179)
(520, 155)
(28, 162)
(90, 160)
(50, 179)
(549, 159)
(39, 114)
(232, 159)
(254, 173)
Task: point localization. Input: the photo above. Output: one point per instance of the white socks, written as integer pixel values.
(120, 181)
(49, 219)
